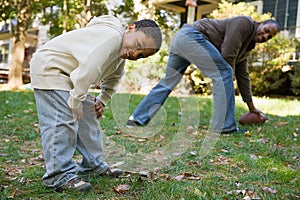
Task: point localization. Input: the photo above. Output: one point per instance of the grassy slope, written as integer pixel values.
(264, 163)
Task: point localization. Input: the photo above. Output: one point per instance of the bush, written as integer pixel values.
(269, 68)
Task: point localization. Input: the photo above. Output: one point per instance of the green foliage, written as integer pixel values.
(200, 83)
(70, 14)
(295, 79)
(227, 9)
(146, 72)
(126, 10)
(268, 68)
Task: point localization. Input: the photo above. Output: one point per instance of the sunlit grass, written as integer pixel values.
(264, 163)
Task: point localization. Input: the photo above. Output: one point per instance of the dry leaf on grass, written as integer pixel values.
(221, 161)
(12, 195)
(186, 175)
(122, 189)
(247, 194)
(281, 123)
(269, 190)
(147, 174)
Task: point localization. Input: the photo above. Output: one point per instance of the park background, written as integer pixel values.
(262, 165)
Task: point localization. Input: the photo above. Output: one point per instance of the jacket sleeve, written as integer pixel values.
(109, 84)
(237, 31)
(89, 71)
(243, 80)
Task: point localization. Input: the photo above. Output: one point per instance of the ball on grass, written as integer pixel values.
(252, 118)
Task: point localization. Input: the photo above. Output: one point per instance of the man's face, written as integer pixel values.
(265, 32)
(136, 44)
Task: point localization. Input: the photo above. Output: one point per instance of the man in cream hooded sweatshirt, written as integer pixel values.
(62, 71)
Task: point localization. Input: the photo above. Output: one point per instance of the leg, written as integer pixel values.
(196, 49)
(58, 132)
(89, 141)
(151, 104)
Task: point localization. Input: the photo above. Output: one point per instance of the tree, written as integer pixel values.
(20, 9)
(61, 15)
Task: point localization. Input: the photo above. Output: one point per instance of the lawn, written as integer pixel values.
(174, 157)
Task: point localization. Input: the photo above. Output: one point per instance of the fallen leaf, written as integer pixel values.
(264, 140)
(147, 174)
(221, 161)
(144, 173)
(194, 163)
(122, 189)
(253, 157)
(179, 178)
(161, 138)
(248, 134)
(270, 190)
(117, 164)
(224, 150)
(281, 123)
(295, 134)
(193, 178)
(238, 184)
(258, 129)
(294, 180)
(12, 195)
(186, 175)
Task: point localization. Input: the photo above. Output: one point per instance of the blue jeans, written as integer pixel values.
(189, 46)
(62, 134)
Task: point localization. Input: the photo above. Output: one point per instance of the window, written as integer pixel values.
(4, 49)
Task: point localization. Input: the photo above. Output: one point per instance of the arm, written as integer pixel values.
(109, 84)
(244, 85)
(90, 71)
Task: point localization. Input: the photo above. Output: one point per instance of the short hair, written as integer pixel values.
(150, 28)
(271, 21)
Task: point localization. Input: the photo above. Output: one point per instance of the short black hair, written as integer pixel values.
(150, 28)
(272, 21)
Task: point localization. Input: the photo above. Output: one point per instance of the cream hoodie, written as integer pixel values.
(78, 59)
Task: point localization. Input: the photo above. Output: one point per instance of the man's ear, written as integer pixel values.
(131, 27)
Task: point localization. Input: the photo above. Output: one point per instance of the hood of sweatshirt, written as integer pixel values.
(106, 20)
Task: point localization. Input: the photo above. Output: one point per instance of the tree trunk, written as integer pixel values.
(15, 79)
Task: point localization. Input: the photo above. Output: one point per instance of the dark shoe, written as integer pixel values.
(235, 131)
(131, 123)
(75, 185)
(114, 173)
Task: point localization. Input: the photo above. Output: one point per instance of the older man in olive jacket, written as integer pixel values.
(219, 48)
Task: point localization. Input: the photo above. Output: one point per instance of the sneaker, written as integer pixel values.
(131, 123)
(74, 185)
(235, 131)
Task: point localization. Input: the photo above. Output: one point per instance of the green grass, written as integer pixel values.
(264, 163)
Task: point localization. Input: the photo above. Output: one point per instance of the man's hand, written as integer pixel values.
(98, 107)
(252, 109)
